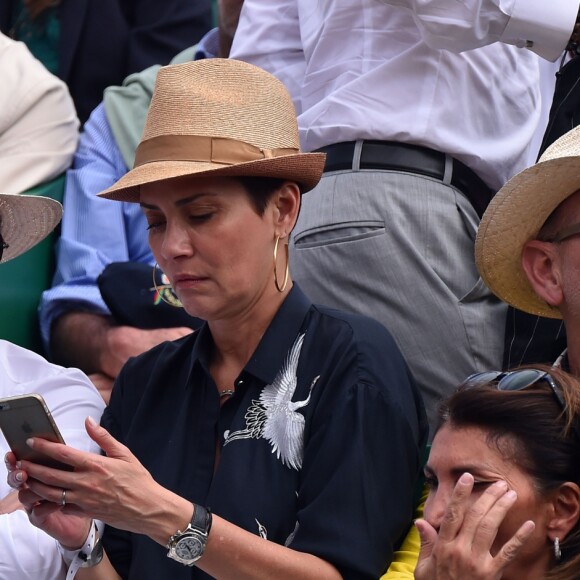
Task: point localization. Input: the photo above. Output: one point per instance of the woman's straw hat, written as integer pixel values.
(25, 220)
(219, 117)
(517, 213)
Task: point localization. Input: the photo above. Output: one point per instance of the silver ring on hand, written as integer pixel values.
(63, 498)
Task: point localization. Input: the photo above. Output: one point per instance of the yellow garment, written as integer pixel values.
(405, 558)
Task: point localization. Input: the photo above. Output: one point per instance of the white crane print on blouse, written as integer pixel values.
(275, 416)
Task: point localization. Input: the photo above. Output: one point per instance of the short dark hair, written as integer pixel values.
(260, 190)
(529, 428)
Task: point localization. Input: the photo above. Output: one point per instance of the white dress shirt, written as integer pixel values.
(544, 27)
(365, 69)
(25, 551)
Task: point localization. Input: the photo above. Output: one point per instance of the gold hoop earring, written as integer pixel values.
(165, 291)
(283, 287)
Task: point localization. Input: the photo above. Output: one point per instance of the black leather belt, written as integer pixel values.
(412, 159)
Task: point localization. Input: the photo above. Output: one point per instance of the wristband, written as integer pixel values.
(89, 555)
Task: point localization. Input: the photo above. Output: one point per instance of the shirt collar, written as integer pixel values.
(208, 46)
(269, 356)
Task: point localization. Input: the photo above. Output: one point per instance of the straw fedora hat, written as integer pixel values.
(517, 213)
(219, 117)
(25, 220)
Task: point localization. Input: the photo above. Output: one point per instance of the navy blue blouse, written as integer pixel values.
(321, 445)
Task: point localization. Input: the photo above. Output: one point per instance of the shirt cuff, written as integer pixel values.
(542, 26)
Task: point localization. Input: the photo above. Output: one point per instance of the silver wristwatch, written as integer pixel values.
(187, 547)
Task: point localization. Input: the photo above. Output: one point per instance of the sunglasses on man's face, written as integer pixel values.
(518, 381)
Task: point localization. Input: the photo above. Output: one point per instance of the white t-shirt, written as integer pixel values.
(25, 551)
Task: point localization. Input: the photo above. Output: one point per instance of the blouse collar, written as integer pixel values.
(273, 348)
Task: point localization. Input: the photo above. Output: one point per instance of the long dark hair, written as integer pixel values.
(530, 428)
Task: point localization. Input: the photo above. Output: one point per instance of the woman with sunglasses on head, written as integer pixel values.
(282, 439)
(504, 474)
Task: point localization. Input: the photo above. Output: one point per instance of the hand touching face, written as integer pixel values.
(483, 517)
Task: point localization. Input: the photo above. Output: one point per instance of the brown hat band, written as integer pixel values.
(203, 149)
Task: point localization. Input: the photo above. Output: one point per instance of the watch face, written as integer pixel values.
(189, 548)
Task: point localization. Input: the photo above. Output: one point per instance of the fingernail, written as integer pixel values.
(18, 476)
(18, 465)
(30, 442)
(92, 422)
(466, 478)
(512, 494)
(501, 484)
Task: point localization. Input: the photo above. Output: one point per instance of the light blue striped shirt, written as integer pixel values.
(95, 231)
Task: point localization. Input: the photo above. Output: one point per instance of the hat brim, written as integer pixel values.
(303, 168)
(25, 221)
(515, 215)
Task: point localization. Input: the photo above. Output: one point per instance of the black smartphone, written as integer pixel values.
(28, 416)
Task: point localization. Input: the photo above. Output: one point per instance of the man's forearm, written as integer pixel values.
(78, 339)
(95, 344)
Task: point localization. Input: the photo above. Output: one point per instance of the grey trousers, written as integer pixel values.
(398, 247)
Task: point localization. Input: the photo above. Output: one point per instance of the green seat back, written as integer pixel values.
(214, 9)
(23, 280)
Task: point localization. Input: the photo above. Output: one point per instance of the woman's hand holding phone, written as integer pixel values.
(22, 418)
(52, 517)
(114, 488)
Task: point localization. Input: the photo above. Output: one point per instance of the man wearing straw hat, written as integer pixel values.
(528, 243)
(26, 551)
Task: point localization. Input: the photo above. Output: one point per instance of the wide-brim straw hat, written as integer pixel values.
(219, 117)
(516, 215)
(25, 220)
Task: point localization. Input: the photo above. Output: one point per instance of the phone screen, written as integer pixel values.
(28, 416)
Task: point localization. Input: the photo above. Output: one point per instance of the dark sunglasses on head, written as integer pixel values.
(518, 381)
